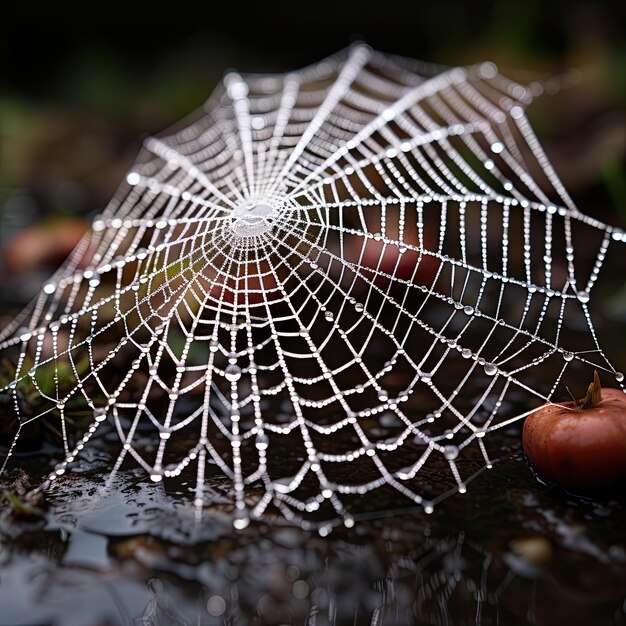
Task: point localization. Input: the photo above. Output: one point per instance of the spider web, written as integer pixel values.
(326, 283)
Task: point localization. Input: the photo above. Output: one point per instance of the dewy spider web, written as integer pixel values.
(326, 284)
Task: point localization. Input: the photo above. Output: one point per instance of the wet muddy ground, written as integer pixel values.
(510, 551)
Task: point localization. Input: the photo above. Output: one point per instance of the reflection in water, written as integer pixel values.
(134, 555)
(432, 584)
(448, 581)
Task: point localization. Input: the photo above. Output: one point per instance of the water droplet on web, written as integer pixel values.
(583, 296)
(383, 396)
(241, 520)
(568, 356)
(132, 179)
(329, 316)
(468, 310)
(100, 414)
(490, 369)
(261, 441)
(358, 307)
(232, 373)
(619, 376)
(156, 476)
(466, 353)
(450, 452)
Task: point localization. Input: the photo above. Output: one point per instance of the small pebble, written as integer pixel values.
(535, 550)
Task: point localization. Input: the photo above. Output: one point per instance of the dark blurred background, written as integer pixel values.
(80, 90)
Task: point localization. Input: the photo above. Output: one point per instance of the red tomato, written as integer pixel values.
(396, 260)
(579, 448)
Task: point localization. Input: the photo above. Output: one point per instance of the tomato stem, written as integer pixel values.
(592, 398)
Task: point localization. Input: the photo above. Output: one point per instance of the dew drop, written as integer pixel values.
(619, 376)
(383, 396)
(241, 521)
(468, 310)
(232, 373)
(450, 452)
(583, 296)
(100, 414)
(156, 476)
(324, 531)
(132, 179)
(466, 353)
(358, 307)
(262, 441)
(329, 316)
(568, 356)
(490, 369)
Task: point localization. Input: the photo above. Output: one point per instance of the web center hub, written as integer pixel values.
(252, 220)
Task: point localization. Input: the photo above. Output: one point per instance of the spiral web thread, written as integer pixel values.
(327, 282)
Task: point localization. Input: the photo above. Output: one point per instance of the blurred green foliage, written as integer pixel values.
(77, 97)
